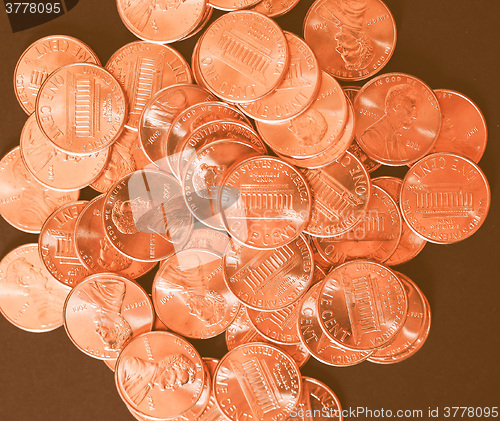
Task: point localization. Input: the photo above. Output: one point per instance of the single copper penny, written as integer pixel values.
(52, 167)
(159, 114)
(257, 381)
(274, 8)
(160, 375)
(40, 59)
(203, 238)
(24, 202)
(410, 243)
(104, 311)
(362, 305)
(463, 128)
(315, 130)
(212, 131)
(161, 22)
(265, 202)
(398, 119)
(445, 198)
(30, 297)
(318, 403)
(81, 108)
(376, 237)
(190, 295)
(57, 245)
(230, 5)
(125, 157)
(269, 279)
(367, 162)
(142, 69)
(243, 56)
(317, 342)
(341, 193)
(145, 215)
(203, 174)
(296, 92)
(353, 40)
(94, 249)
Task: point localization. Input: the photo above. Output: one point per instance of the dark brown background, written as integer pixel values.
(449, 44)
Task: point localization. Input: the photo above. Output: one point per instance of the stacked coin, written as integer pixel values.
(273, 234)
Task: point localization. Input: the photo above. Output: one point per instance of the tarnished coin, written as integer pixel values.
(317, 342)
(269, 279)
(341, 193)
(30, 297)
(81, 108)
(265, 202)
(161, 22)
(160, 375)
(204, 172)
(376, 237)
(203, 238)
(397, 119)
(96, 252)
(257, 381)
(190, 295)
(316, 129)
(296, 91)
(230, 5)
(362, 305)
(243, 56)
(445, 198)
(415, 330)
(159, 114)
(353, 40)
(274, 8)
(24, 202)
(145, 214)
(212, 131)
(410, 243)
(57, 245)
(104, 311)
(142, 69)
(318, 403)
(463, 128)
(40, 59)
(56, 169)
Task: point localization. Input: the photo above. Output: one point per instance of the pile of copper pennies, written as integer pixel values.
(248, 192)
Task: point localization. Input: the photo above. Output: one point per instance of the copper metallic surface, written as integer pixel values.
(445, 198)
(96, 252)
(317, 342)
(398, 119)
(159, 114)
(274, 8)
(230, 5)
(104, 311)
(257, 381)
(190, 295)
(296, 92)
(318, 403)
(341, 193)
(24, 202)
(319, 261)
(351, 92)
(161, 22)
(203, 238)
(410, 244)
(314, 131)
(160, 375)
(81, 108)
(353, 40)
(367, 162)
(463, 128)
(212, 411)
(142, 69)
(203, 174)
(145, 216)
(30, 297)
(265, 202)
(40, 59)
(243, 56)
(269, 279)
(362, 305)
(216, 130)
(55, 169)
(57, 245)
